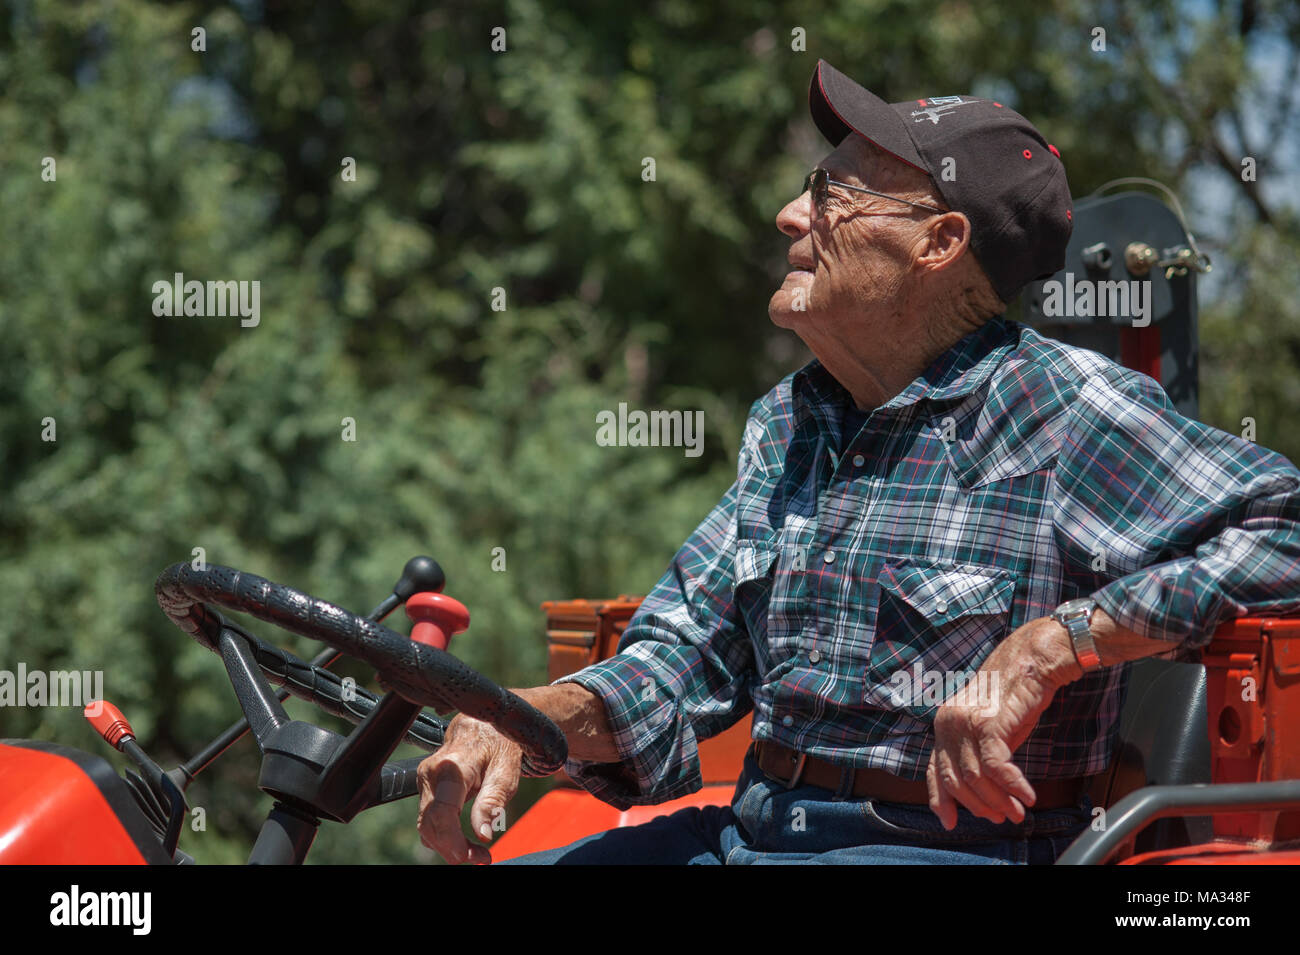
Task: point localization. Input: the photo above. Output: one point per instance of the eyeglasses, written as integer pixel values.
(819, 182)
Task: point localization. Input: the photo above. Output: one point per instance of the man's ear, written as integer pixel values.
(943, 243)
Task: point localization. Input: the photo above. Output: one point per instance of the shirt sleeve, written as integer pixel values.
(681, 673)
(1197, 526)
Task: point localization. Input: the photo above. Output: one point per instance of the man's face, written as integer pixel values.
(850, 266)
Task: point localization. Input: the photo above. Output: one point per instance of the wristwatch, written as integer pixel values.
(1074, 616)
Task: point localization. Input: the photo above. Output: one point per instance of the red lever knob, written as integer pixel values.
(437, 618)
(108, 722)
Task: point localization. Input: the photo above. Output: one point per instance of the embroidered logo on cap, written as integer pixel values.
(939, 106)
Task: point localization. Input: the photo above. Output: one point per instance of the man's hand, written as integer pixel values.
(476, 758)
(473, 759)
(974, 737)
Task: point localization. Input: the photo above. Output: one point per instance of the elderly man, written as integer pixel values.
(946, 537)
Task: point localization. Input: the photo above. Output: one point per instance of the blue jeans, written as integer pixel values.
(767, 824)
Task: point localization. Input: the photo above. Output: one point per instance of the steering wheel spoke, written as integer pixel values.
(327, 690)
(261, 707)
(347, 781)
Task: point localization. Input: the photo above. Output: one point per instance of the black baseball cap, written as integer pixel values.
(986, 160)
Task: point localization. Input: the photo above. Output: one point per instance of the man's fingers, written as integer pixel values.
(500, 783)
(975, 774)
(952, 781)
(975, 738)
(985, 781)
(1008, 775)
(474, 761)
(941, 801)
(443, 816)
(443, 791)
(1005, 807)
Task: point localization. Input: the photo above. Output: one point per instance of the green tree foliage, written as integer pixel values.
(476, 169)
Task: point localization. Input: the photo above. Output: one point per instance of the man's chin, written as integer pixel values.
(787, 318)
(780, 309)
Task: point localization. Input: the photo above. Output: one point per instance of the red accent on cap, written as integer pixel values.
(108, 722)
(437, 618)
(997, 104)
(1055, 151)
(1028, 154)
(1069, 215)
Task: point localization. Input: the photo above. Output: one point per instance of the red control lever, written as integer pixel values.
(108, 722)
(437, 618)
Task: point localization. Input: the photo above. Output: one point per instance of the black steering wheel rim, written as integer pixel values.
(419, 673)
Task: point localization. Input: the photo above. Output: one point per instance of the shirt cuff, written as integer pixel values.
(659, 751)
(1177, 602)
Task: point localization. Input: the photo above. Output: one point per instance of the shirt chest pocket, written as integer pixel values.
(935, 624)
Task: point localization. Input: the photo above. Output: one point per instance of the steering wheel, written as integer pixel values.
(418, 674)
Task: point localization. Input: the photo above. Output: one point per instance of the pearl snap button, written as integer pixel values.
(858, 460)
(941, 606)
(815, 656)
(787, 721)
(829, 557)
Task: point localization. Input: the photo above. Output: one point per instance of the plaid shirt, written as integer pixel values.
(1015, 473)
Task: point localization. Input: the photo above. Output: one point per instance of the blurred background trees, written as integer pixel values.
(477, 170)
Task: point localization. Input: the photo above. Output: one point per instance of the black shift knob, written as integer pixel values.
(420, 575)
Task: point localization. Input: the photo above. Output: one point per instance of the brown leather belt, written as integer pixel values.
(792, 768)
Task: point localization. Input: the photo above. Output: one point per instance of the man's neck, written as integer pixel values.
(872, 378)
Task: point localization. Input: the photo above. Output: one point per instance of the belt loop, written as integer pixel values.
(848, 776)
(798, 771)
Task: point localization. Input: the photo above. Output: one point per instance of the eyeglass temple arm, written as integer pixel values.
(872, 192)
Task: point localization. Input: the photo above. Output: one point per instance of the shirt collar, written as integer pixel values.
(962, 369)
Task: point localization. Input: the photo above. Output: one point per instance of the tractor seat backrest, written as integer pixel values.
(1162, 740)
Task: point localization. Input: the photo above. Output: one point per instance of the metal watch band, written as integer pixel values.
(1075, 616)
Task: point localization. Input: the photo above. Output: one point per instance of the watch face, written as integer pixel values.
(1074, 606)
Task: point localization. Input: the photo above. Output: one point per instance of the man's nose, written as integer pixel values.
(794, 219)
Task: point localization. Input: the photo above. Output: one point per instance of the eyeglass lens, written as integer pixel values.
(817, 184)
